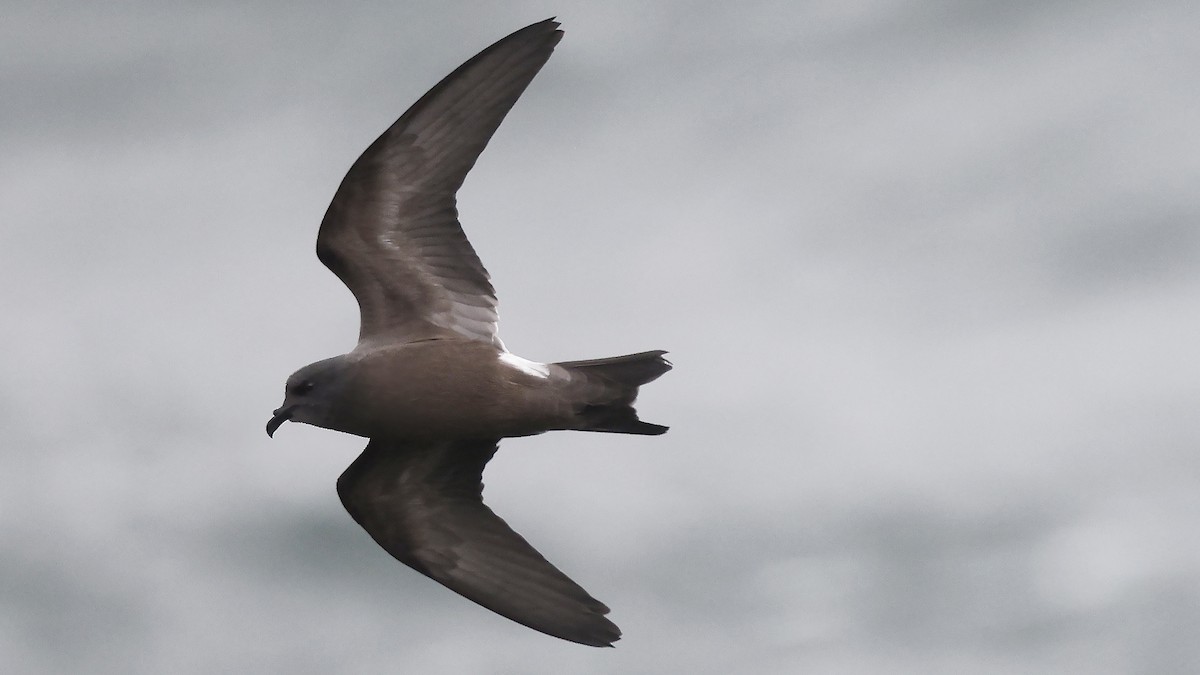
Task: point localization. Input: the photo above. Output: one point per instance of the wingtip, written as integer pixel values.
(608, 636)
(551, 25)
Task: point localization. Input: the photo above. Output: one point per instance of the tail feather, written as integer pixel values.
(631, 370)
(610, 386)
(618, 419)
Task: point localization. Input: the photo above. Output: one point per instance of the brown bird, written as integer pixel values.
(429, 382)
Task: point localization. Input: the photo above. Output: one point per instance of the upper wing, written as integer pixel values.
(392, 232)
(424, 505)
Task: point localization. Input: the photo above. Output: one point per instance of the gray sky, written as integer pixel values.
(928, 272)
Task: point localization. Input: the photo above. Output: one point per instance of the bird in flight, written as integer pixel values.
(429, 383)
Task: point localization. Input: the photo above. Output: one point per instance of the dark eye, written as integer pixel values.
(302, 387)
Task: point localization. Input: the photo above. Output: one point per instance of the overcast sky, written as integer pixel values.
(929, 273)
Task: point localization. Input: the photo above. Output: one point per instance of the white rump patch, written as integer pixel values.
(525, 365)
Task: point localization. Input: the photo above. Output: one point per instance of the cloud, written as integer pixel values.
(927, 272)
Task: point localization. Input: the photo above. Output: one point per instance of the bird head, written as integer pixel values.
(311, 395)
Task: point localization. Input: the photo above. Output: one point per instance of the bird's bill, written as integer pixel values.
(277, 419)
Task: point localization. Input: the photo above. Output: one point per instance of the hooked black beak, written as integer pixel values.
(280, 416)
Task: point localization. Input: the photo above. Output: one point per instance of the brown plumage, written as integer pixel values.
(430, 382)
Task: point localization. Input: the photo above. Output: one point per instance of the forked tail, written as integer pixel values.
(608, 388)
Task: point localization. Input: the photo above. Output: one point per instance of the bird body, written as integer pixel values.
(459, 389)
